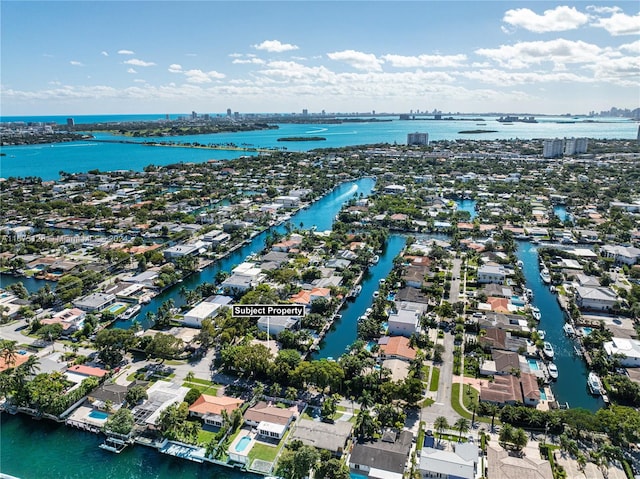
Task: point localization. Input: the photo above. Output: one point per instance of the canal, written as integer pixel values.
(345, 330)
(571, 386)
(320, 214)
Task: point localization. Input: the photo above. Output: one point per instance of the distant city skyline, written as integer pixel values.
(127, 57)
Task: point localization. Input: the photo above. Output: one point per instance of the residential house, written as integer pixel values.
(530, 389)
(385, 458)
(396, 347)
(404, 322)
(181, 250)
(414, 275)
(627, 350)
(274, 325)
(504, 465)
(71, 320)
(322, 435)
(211, 408)
(95, 302)
(595, 298)
(488, 273)
(461, 463)
(270, 421)
(621, 254)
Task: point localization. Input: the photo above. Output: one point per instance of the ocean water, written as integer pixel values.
(47, 161)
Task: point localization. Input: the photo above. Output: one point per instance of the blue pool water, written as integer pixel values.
(543, 395)
(115, 307)
(98, 415)
(370, 345)
(587, 330)
(533, 365)
(242, 444)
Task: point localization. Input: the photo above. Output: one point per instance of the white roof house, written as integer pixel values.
(404, 323)
(629, 349)
(599, 298)
(200, 312)
(461, 464)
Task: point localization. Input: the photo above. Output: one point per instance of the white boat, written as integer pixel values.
(382, 281)
(546, 277)
(593, 381)
(520, 263)
(553, 370)
(376, 294)
(536, 313)
(131, 312)
(553, 289)
(375, 259)
(529, 293)
(569, 330)
(541, 334)
(548, 350)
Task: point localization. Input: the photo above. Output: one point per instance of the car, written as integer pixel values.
(470, 439)
(429, 432)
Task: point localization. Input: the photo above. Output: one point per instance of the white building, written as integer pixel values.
(460, 464)
(274, 325)
(199, 313)
(417, 138)
(574, 146)
(552, 148)
(621, 254)
(404, 323)
(628, 349)
(599, 299)
(491, 274)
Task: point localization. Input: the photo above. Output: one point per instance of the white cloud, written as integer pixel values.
(631, 47)
(559, 19)
(175, 68)
(104, 54)
(76, 63)
(126, 52)
(505, 78)
(139, 63)
(254, 61)
(358, 60)
(619, 24)
(198, 76)
(426, 61)
(598, 9)
(236, 55)
(523, 54)
(131, 70)
(275, 46)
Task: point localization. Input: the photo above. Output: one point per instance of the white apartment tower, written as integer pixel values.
(552, 148)
(575, 146)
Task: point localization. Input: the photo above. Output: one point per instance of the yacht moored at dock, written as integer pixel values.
(535, 312)
(593, 381)
(553, 370)
(131, 312)
(569, 330)
(548, 350)
(545, 275)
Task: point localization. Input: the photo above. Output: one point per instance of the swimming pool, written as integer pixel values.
(242, 444)
(533, 365)
(586, 330)
(543, 395)
(114, 308)
(98, 415)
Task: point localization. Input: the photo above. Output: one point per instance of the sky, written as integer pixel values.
(119, 57)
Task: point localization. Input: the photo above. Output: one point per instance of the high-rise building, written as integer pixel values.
(418, 138)
(575, 146)
(229, 112)
(70, 122)
(552, 148)
(194, 115)
(305, 112)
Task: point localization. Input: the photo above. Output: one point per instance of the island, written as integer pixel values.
(302, 138)
(473, 132)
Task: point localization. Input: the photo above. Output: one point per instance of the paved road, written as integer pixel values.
(454, 291)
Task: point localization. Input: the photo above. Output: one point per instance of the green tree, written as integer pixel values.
(136, 395)
(462, 425)
(332, 469)
(440, 425)
(121, 422)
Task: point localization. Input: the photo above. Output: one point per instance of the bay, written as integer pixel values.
(46, 161)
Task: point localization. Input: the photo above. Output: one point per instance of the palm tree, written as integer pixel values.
(462, 425)
(9, 351)
(492, 409)
(440, 425)
(366, 424)
(31, 366)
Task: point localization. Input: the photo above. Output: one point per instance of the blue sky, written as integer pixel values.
(92, 57)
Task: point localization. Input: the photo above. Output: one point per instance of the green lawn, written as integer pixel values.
(201, 381)
(263, 451)
(435, 378)
(210, 389)
(455, 401)
(205, 437)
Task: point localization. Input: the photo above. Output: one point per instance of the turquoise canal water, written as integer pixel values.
(571, 386)
(46, 450)
(345, 331)
(46, 161)
(320, 214)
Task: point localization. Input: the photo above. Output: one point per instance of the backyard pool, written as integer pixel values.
(116, 307)
(242, 444)
(586, 330)
(533, 365)
(100, 415)
(543, 395)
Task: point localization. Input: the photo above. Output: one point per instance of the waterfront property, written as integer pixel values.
(327, 436)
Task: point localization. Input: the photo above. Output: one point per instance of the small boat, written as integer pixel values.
(362, 318)
(382, 281)
(376, 294)
(548, 350)
(375, 259)
(569, 330)
(593, 381)
(546, 277)
(529, 293)
(541, 334)
(131, 312)
(356, 290)
(535, 312)
(368, 311)
(553, 289)
(553, 370)
(520, 263)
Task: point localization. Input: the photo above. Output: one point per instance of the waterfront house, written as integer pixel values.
(322, 435)
(488, 273)
(461, 463)
(95, 302)
(503, 390)
(396, 347)
(161, 395)
(199, 313)
(270, 421)
(211, 408)
(146, 278)
(414, 275)
(626, 350)
(530, 389)
(180, 250)
(384, 458)
(307, 297)
(404, 322)
(112, 393)
(595, 298)
(274, 325)
(506, 362)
